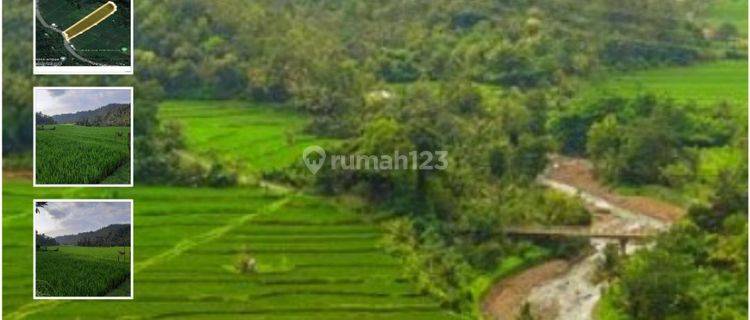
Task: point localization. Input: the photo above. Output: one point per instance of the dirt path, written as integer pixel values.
(505, 299)
(565, 289)
(17, 174)
(579, 174)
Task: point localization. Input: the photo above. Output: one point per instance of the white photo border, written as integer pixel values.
(132, 249)
(82, 70)
(132, 139)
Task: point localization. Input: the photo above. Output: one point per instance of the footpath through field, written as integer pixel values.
(314, 259)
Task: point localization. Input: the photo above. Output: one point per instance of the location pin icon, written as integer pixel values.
(314, 163)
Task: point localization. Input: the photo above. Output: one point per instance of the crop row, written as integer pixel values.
(62, 274)
(80, 155)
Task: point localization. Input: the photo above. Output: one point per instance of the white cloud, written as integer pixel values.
(58, 101)
(64, 218)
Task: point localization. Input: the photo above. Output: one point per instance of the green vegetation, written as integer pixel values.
(250, 137)
(686, 123)
(313, 258)
(69, 271)
(102, 44)
(732, 12)
(689, 274)
(70, 154)
(705, 84)
(492, 83)
(698, 270)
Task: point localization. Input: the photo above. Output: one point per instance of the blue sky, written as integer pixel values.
(64, 218)
(58, 101)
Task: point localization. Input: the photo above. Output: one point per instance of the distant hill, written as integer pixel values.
(112, 235)
(114, 114)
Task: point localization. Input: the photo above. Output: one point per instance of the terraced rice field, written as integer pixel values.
(250, 136)
(72, 154)
(704, 84)
(80, 271)
(315, 259)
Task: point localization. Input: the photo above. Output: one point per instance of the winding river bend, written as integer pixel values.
(569, 290)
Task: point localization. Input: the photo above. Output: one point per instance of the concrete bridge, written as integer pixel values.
(581, 232)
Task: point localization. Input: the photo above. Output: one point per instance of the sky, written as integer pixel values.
(65, 218)
(59, 101)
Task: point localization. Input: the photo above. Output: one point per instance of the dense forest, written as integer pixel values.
(114, 114)
(490, 81)
(109, 236)
(43, 119)
(43, 240)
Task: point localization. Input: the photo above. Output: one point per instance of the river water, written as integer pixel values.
(574, 295)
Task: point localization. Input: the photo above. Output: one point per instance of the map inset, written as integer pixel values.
(83, 33)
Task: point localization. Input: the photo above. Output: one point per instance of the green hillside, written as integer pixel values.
(729, 11)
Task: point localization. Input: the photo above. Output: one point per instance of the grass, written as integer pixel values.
(72, 154)
(606, 310)
(729, 11)
(253, 137)
(80, 271)
(509, 266)
(704, 84)
(122, 174)
(315, 259)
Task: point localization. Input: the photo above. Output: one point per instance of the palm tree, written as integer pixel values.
(40, 204)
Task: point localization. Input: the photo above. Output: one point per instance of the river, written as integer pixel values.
(574, 295)
(569, 290)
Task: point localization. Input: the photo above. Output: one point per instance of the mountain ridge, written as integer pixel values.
(111, 235)
(113, 114)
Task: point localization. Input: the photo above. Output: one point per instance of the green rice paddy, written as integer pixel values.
(250, 136)
(315, 260)
(704, 83)
(71, 154)
(71, 271)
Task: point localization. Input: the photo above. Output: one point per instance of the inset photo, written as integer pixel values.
(83, 249)
(83, 136)
(83, 37)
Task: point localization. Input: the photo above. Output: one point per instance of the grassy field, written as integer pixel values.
(80, 271)
(316, 260)
(250, 136)
(704, 84)
(729, 11)
(72, 154)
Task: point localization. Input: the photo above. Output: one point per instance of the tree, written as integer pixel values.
(43, 119)
(730, 197)
(656, 285)
(530, 157)
(603, 146)
(726, 31)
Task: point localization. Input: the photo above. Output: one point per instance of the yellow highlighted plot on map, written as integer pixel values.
(90, 20)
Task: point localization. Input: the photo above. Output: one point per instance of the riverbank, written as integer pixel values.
(565, 290)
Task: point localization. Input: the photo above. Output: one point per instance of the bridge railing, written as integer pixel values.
(577, 232)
